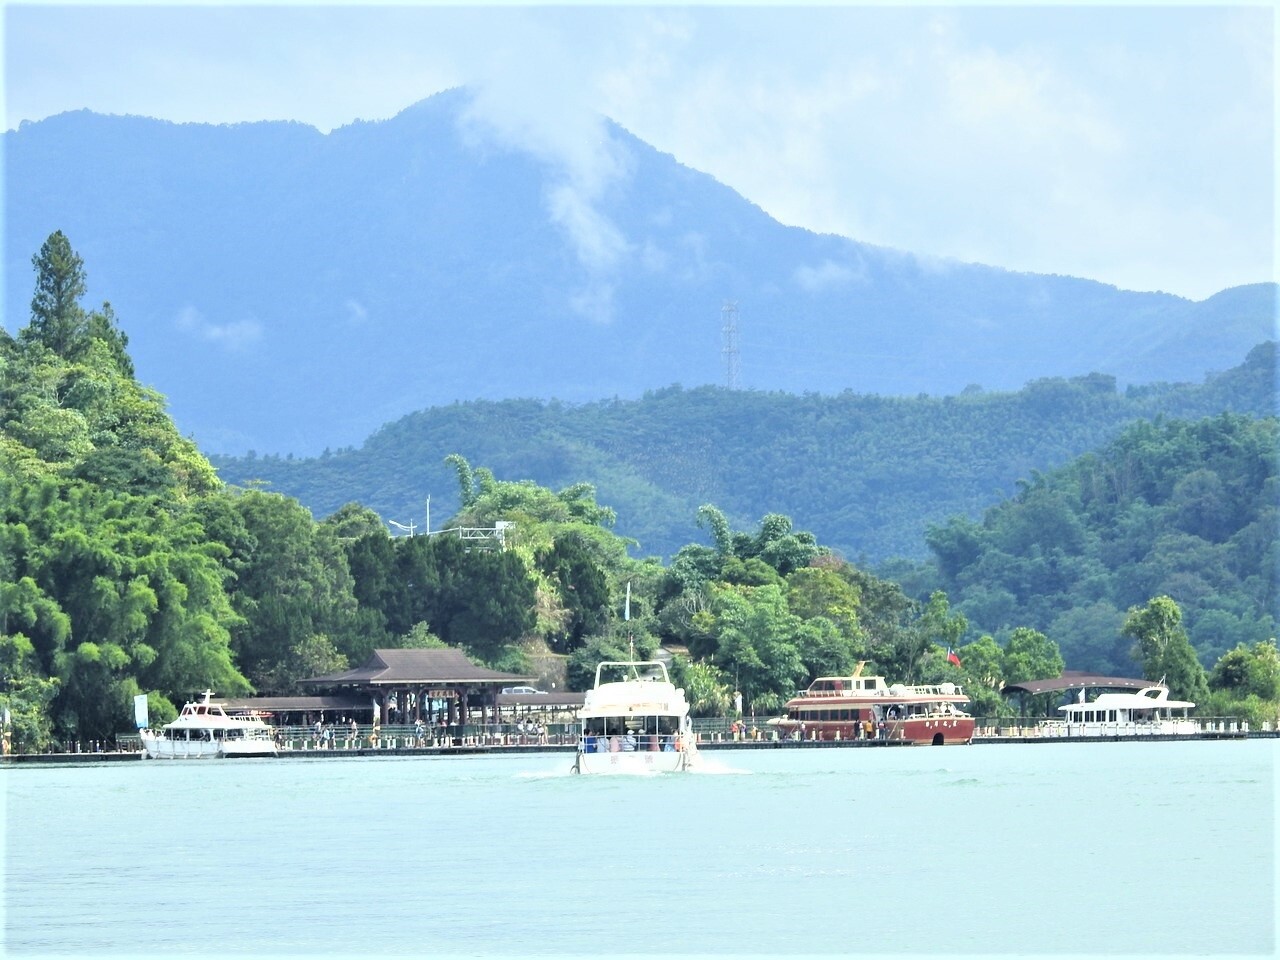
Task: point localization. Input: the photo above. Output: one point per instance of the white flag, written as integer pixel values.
(627, 612)
(140, 710)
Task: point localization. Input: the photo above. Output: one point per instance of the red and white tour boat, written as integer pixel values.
(857, 707)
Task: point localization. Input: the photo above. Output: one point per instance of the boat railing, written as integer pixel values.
(1024, 727)
(654, 670)
(642, 743)
(365, 736)
(896, 691)
(837, 693)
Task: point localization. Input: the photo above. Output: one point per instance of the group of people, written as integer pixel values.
(629, 742)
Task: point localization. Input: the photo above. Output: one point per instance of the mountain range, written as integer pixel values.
(290, 290)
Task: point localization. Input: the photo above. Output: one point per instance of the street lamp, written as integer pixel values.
(402, 528)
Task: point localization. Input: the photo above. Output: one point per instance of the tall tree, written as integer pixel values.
(57, 319)
(1164, 650)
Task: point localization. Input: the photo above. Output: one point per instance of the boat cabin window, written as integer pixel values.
(830, 715)
(619, 726)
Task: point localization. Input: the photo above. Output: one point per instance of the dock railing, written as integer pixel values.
(707, 730)
(1023, 727)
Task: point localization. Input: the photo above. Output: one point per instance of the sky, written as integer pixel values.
(1129, 144)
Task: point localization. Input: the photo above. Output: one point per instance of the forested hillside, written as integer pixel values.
(1187, 509)
(127, 567)
(866, 473)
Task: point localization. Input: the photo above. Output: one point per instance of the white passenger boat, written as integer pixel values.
(204, 729)
(1144, 712)
(634, 720)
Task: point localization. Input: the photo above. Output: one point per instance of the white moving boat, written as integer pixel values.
(634, 720)
(204, 729)
(1145, 712)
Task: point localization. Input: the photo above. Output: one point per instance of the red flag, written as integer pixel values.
(952, 658)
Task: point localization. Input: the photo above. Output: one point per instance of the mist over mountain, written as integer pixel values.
(290, 290)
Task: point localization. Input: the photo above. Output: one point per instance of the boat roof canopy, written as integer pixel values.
(1074, 680)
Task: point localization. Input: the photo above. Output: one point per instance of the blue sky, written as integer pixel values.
(1133, 145)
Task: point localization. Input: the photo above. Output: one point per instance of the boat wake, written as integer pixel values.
(708, 767)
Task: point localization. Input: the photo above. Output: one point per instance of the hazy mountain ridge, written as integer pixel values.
(289, 289)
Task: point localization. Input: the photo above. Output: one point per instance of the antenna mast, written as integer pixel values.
(729, 341)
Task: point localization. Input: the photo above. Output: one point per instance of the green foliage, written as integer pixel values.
(113, 591)
(868, 472)
(1249, 671)
(57, 319)
(582, 585)
(1183, 509)
(26, 693)
(352, 521)
(706, 687)
(1248, 707)
(1030, 655)
(420, 637)
(1164, 649)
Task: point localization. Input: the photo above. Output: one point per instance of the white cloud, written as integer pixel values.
(829, 275)
(599, 243)
(236, 335)
(535, 91)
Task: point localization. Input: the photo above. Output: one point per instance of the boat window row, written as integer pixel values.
(1096, 716)
(211, 734)
(619, 726)
(813, 715)
(630, 734)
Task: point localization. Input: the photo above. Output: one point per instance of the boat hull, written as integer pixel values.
(935, 731)
(633, 762)
(162, 748)
(1160, 728)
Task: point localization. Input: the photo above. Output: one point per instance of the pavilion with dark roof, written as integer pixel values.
(413, 679)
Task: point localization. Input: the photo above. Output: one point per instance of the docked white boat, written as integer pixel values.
(205, 729)
(1144, 712)
(634, 720)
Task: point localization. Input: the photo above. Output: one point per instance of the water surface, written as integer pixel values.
(1146, 849)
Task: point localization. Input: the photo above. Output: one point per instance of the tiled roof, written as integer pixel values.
(436, 666)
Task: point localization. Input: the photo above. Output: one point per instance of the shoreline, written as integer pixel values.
(472, 750)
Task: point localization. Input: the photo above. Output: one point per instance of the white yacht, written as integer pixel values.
(204, 729)
(634, 720)
(1140, 713)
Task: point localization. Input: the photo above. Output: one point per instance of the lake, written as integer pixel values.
(1029, 849)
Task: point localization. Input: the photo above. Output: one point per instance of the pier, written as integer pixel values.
(498, 740)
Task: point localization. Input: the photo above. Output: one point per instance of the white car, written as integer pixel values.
(524, 690)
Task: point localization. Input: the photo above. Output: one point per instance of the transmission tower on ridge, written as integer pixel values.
(729, 339)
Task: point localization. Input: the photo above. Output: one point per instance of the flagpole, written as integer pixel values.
(626, 615)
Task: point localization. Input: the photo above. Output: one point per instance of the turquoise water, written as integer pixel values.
(1081, 849)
